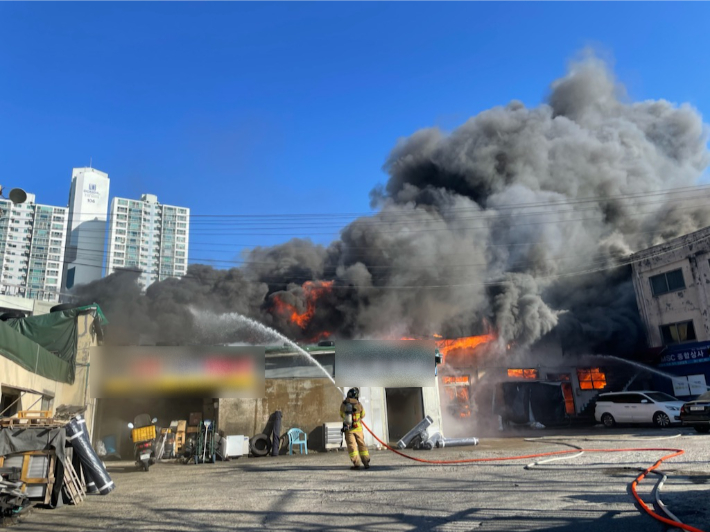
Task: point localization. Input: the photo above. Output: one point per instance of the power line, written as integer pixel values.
(567, 201)
(629, 261)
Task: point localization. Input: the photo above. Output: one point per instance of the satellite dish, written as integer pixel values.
(17, 195)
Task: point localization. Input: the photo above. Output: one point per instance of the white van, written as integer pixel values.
(658, 408)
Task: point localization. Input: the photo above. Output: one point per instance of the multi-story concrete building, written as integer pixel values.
(88, 208)
(150, 237)
(32, 240)
(672, 283)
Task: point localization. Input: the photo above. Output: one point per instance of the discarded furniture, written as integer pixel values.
(297, 437)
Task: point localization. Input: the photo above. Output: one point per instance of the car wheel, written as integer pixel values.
(661, 419)
(702, 429)
(608, 420)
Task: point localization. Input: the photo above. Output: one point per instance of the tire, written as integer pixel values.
(260, 445)
(702, 429)
(661, 419)
(608, 420)
(12, 315)
(64, 306)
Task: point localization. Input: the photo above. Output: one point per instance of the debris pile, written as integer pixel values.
(47, 462)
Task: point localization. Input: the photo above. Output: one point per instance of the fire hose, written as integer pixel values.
(674, 453)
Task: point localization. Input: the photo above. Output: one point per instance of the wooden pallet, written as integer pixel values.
(34, 414)
(73, 485)
(15, 422)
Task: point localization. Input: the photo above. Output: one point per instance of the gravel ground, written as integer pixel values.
(319, 492)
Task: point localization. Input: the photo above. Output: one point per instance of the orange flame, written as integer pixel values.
(312, 291)
(516, 373)
(458, 344)
(591, 379)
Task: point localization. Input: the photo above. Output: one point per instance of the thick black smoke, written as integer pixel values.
(492, 222)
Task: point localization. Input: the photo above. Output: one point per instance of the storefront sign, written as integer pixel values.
(689, 356)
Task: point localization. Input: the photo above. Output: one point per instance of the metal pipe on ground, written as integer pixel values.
(456, 442)
(418, 429)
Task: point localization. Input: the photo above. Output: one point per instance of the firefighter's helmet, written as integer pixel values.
(354, 393)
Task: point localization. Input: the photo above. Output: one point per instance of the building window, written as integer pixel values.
(667, 282)
(523, 373)
(676, 333)
(460, 379)
(591, 379)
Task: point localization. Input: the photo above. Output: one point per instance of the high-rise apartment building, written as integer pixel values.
(88, 208)
(148, 237)
(32, 240)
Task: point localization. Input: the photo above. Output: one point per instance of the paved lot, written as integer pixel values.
(319, 492)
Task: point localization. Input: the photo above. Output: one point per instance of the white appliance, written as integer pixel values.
(332, 435)
(233, 446)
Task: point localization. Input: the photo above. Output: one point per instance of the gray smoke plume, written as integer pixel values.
(493, 222)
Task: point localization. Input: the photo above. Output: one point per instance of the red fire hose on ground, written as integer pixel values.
(634, 484)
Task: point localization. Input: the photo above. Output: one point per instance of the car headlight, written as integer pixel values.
(673, 408)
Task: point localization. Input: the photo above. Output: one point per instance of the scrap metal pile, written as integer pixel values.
(425, 436)
(47, 462)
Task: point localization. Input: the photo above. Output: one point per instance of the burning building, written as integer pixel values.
(522, 217)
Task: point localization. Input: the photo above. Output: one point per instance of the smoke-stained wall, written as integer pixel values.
(493, 221)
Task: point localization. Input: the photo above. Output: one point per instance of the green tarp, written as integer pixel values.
(57, 332)
(93, 308)
(33, 357)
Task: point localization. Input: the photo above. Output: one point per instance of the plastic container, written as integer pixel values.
(143, 433)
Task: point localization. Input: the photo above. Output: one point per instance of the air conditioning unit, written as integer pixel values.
(332, 435)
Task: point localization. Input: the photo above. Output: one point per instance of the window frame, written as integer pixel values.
(675, 324)
(596, 384)
(664, 276)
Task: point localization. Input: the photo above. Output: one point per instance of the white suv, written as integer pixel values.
(637, 407)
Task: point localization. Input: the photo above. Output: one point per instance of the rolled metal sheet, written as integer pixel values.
(78, 438)
(79, 468)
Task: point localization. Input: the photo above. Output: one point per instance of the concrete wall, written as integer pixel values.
(33, 307)
(691, 254)
(305, 403)
(308, 404)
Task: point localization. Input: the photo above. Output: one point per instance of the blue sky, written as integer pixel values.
(261, 108)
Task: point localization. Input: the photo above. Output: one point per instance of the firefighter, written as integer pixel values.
(352, 413)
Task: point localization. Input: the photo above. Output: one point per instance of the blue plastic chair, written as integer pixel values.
(297, 437)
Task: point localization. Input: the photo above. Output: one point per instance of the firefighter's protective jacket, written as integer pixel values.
(358, 414)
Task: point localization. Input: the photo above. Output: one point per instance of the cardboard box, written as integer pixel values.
(181, 425)
(195, 418)
(193, 430)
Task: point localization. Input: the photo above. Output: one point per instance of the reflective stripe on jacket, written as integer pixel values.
(358, 414)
